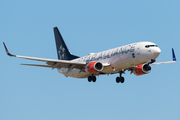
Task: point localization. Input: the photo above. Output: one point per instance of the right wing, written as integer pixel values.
(52, 63)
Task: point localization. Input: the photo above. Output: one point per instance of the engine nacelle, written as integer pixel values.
(94, 67)
(142, 69)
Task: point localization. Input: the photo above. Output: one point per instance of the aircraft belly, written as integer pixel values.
(122, 61)
(73, 73)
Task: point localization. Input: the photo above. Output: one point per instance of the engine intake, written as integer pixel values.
(94, 67)
(142, 69)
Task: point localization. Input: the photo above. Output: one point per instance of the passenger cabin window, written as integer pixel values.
(147, 46)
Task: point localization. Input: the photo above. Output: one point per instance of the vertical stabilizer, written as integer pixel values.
(62, 50)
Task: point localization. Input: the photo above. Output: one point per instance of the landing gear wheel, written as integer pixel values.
(89, 78)
(122, 79)
(118, 79)
(94, 78)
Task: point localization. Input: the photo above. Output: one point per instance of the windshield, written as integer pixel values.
(147, 46)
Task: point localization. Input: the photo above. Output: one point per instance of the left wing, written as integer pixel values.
(159, 63)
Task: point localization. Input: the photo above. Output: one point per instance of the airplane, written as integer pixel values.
(136, 58)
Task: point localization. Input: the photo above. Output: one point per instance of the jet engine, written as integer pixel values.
(94, 67)
(142, 69)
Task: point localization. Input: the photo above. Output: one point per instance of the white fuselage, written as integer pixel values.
(119, 58)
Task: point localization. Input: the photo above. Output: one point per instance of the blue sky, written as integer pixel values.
(28, 93)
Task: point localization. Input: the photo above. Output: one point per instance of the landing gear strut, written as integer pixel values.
(92, 78)
(120, 79)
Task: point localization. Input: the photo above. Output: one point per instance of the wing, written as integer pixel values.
(174, 59)
(52, 63)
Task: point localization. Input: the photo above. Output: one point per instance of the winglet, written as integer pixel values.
(174, 56)
(7, 51)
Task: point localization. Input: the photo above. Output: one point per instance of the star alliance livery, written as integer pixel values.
(136, 58)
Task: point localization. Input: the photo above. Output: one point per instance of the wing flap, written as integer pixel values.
(51, 60)
(49, 66)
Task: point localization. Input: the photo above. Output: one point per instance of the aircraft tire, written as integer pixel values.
(117, 79)
(89, 78)
(122, 80)
(94, 78)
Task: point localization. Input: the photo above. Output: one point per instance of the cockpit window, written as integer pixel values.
(147, 46)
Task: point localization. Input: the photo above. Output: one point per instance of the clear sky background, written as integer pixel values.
(34, 93)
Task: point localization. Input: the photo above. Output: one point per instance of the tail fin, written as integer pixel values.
(62, 50)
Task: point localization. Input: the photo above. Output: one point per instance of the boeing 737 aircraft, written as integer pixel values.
(136, 58)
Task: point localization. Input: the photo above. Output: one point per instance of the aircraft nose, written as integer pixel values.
(157, 51)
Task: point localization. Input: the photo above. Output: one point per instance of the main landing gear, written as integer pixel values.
(120, 79)
(92, 78)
